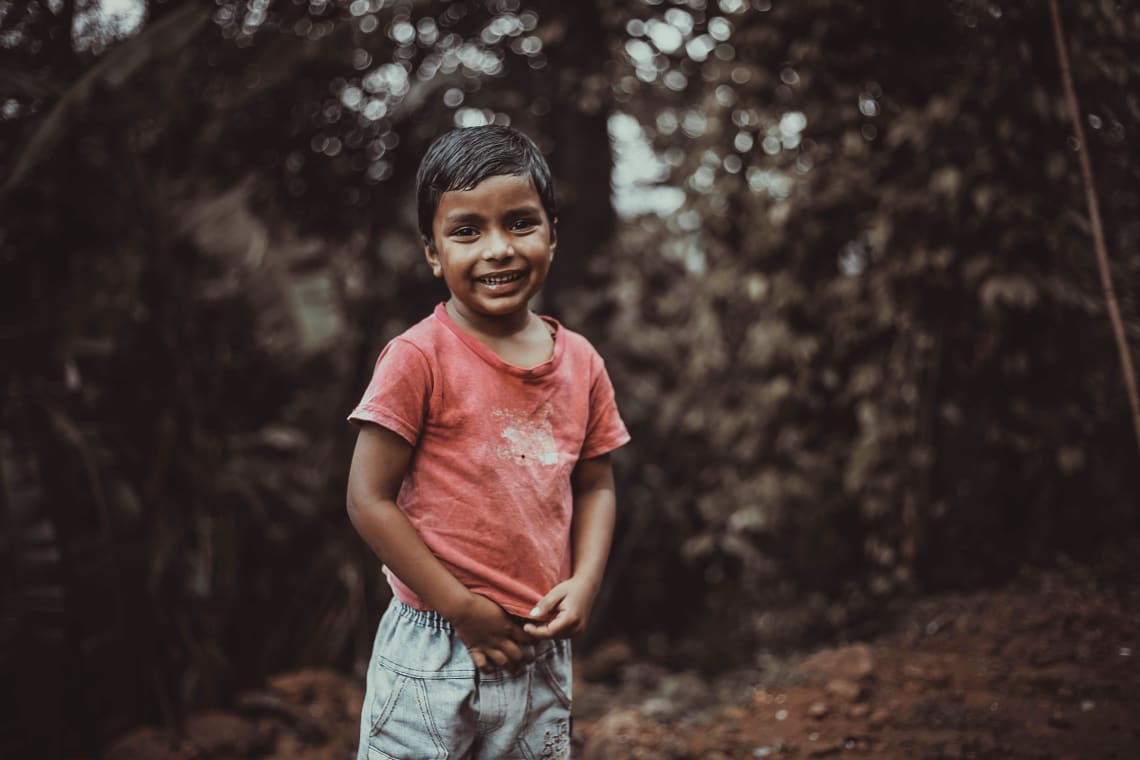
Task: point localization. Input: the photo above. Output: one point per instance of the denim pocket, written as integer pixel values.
(547, 733)
(554, 667)
(403, 727)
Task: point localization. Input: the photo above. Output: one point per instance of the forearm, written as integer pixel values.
(592, 526)
(378, 466)
(399, 546)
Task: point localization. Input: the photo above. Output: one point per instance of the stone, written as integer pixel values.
(818, 710)
(825, 748)
(854, 662)
(845, 689)
(879, 717)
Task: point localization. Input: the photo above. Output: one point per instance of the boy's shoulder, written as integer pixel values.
(427, 328)
(425, 334)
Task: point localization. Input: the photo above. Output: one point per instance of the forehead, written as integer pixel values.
(492, 196)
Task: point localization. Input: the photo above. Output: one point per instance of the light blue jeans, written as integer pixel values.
(425, 699)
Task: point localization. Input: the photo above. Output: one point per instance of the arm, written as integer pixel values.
(379, 462)
(591, 530)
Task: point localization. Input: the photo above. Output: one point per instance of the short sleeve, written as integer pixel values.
(605, 430)
(397, 395)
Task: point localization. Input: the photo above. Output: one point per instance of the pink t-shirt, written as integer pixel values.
(488, 486)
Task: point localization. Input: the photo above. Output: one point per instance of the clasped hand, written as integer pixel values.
(492, 637)
(569, 602)
(495, 640)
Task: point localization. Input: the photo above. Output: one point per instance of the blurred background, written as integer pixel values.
(837, 256)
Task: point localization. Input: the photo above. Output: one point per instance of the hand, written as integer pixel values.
(570, 602)
(491, 636)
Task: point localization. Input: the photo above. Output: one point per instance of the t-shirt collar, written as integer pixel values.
(490, 357)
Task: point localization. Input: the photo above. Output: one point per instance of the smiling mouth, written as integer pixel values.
(500, 279)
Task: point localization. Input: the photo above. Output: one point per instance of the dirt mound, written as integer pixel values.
(1043, 672)
(1046, 669)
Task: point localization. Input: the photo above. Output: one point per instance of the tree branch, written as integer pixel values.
(161, 38)
(1093, 203)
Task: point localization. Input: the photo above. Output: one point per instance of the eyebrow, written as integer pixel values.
(466, 217)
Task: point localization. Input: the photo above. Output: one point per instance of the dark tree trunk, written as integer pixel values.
(581, 158)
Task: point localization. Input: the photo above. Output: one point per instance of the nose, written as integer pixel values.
(498, 246)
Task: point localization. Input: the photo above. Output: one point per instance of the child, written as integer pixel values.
(481, 475)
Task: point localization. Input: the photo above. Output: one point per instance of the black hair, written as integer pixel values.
(462, 158)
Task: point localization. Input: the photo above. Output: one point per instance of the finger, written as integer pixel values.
(555, 628)
(498, 657)
(520, 635)
(516, 654)
(478, 658)
(549, 602)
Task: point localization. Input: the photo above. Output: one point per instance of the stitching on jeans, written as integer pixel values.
(451, 674)
(546, 666)
(555, 743)
(429, 722)
(528, 722)
(499, 711)
(389, 704)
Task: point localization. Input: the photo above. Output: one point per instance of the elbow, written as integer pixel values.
(353, 505)
(362, 506)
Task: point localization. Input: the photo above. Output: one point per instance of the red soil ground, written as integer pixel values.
(1045, 668)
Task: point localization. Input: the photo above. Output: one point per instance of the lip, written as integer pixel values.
(501, 280)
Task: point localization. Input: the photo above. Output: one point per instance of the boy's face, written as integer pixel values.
(493, 247)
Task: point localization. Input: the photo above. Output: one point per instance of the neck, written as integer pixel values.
(491, 327)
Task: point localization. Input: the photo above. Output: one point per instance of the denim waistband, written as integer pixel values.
(433, 620)
(426, 618)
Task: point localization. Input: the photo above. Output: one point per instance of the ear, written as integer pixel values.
(432, 257)
(553, 235)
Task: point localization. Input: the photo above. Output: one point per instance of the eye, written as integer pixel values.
(464, 232)
(526, 223)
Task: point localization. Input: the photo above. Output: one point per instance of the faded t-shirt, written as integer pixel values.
(488, 486)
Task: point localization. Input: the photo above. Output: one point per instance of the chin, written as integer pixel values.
(504, 309)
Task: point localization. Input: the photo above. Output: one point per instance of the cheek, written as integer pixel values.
(544, 252)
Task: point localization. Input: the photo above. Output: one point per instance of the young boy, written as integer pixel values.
(481, 475)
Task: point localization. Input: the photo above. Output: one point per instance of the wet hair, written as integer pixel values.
(462, 158)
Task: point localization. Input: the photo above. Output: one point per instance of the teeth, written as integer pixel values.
(500, 279)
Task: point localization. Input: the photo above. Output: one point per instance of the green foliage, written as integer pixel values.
(871, 355)
(194, 287)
